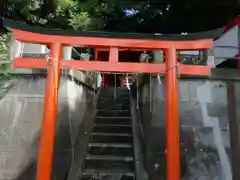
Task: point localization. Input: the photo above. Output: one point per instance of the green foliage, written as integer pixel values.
(4, 40)
(4, 52)
(80, 20)
(65, 4)
(152, 15)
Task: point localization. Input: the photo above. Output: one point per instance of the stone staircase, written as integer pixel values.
(110, 154)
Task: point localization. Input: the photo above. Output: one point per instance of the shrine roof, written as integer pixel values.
(235, 22)
(37, 29)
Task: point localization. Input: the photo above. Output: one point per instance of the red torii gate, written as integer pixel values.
(55, 63)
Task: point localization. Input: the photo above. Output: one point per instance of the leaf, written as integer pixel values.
(64, 4)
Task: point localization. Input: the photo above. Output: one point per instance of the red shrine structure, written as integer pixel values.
(114, 43)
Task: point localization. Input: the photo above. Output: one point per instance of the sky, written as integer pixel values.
(131, 12)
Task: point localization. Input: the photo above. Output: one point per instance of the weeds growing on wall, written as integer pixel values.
(4, 46)
(5, 65)
(4, 53)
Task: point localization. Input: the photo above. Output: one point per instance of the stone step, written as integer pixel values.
(93, 174)
(110, 139)
(109, 158)
(115, 145)
(105, 97)
(111, 91)
(112, 129)
(113, 120)
(112, 113)
(117, 100)
(114, 106)
(114, 125)
(112, 134)
(108, 162)
(113, 96)
(118, 150)
(110, 152)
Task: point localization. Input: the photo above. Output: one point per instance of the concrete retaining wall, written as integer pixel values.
(21, 113)
(204, 129)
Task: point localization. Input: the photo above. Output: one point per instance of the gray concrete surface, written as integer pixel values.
(233, 114)
(204, 129)
(21, 112)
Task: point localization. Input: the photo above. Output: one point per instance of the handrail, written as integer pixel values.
(140, 122)
(80, 82)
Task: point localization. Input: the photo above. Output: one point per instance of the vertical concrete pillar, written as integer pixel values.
(234, 127)
(67, 52)
(211, 60)
(15, 49)
(158, 56)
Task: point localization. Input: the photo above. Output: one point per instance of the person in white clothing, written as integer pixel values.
(127, 83)
(99, 80)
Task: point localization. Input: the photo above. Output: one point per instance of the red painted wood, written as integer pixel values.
(116, 67)
(111, 42)
(238, 60)
(45, 154)
(235, 22)
(172, 117)
(194, 70)
(34, 63)
(113, 55)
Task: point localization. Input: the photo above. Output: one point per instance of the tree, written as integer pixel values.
(149, 16)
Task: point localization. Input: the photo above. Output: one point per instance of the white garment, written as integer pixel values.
(127, 83)
(99, 80)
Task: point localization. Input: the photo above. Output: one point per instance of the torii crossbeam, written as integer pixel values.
(115, 42)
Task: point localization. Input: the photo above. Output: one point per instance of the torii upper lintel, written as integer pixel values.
(26, 33)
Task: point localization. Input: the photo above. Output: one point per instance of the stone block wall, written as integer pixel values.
(21, 112)
(204, 129)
